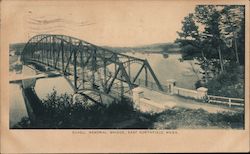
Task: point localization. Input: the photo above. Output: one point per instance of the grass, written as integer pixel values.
(183, 118)
(60, 112)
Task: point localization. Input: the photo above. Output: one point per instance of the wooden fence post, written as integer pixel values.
(229, 102)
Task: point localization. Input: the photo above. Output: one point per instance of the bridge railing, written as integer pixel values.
(226, 101)
(198, 94)
(186, 92)
(151, 85)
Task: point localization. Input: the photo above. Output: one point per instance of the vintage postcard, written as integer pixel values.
(108, 76)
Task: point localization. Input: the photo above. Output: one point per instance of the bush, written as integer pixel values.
(230, 83)
(60, 112)
(198, 84)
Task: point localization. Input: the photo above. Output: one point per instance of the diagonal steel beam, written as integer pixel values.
(139, 72)
(71, 53)
(112, 81)
(98, 55)
(127, 78)
(153, 75)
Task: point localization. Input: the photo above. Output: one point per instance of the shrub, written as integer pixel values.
(230, 83)
(61, 112)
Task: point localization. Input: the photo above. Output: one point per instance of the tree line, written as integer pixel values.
(214, 35)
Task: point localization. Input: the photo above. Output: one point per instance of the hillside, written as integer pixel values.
(17, 46)
(151, 48)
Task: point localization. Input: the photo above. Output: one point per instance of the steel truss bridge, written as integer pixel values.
(92, 71)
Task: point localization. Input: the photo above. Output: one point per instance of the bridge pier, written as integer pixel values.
(171, 84)
(146, 104)
(28, 83)
(202, 92)
(137, 94)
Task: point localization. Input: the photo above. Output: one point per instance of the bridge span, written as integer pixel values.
(99, 74)
(88, 67)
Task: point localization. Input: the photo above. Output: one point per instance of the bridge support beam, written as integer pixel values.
(62, 57)
(28, 83)
(137, 95)
(153, 75)
(72, 56)
(75, 70)
(146, 77)
(171, 84)
(202, 92)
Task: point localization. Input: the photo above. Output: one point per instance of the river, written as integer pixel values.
(172, 68)
(164, 68)
(43, 88)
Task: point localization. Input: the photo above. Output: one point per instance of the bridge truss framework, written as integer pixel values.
(88, 67)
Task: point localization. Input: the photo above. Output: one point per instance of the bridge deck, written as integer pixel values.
(20, 77)
(172, 100)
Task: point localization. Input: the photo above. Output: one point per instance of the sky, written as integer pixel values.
(112, 23)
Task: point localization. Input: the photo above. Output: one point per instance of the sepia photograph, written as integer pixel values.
(193, 78)
(142, 67)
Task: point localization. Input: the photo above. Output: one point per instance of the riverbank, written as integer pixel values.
(60, 112)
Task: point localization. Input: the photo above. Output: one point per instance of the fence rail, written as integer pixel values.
(186, 92)
(237, 102)
(151, 85)
(226, 100)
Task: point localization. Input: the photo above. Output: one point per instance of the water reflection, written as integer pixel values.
(185, 72)
(45, 86)
(17, 104)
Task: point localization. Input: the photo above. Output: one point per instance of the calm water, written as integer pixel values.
(43, 87)
(17, 105)
(164, 68)
(172, 68)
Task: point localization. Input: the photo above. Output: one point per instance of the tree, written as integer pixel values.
(205, 36)
(215, 36)
(192, 42)
(189, 28)
(209, 17)
(233, 29)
